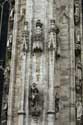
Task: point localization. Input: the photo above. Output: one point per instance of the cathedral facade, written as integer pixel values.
(45, 65)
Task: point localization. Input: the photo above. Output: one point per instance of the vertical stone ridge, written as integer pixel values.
(13, 65)
(72, 64)
(51, 66)
(21, 111)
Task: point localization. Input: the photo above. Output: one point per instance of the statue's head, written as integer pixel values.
(34, 85)
(38, 27)
(38, 24)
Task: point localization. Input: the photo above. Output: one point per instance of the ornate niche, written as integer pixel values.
(78, 78)
(57, 99)
(35, 101)
(79, 111)
(5, 95)
(38, 38)
(53, 38)
(76, 12)
(77, 44)
(9, 45)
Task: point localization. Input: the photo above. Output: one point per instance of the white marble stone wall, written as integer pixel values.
(37, 67)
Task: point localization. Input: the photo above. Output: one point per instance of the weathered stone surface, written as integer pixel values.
(52, 74)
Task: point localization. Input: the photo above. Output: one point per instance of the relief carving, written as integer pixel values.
(52, 35)
(57, 99)
(78, 44)
(5, 95)
(79, 110)
(78, 78)
(78, 70)
(54, 41)
(9, 45)
(78, 87)
(35, 101)
(38, 38)
(77, 12)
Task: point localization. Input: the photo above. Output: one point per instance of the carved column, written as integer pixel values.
(13, 66)
(21, 111)
(28, 18)
(52, 55)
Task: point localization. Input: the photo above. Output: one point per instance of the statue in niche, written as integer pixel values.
(5, 94)
(9, 45)
(77, 13)
(58, 53)
(54, 40)
(78, 39)
(12, 14)
(77, 43)
(77, 49)
(78, 70)
(35, 102)
(57, 99)
(38, 37)
(78, 87)
(25, 47)
(52, 35)
(79, 110)
(34, 95)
